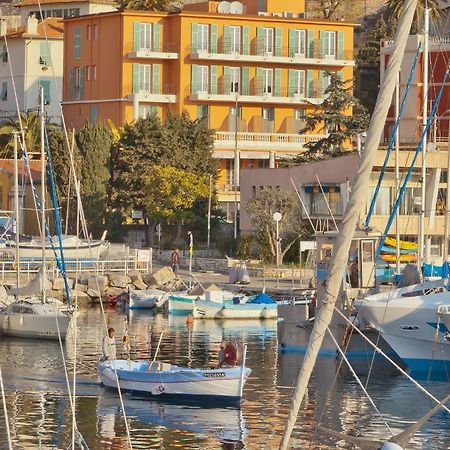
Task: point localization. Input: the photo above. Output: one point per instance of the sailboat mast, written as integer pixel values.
(397, 175)
(42, 117)
(447, 202)
(426, 32)
(16, 206)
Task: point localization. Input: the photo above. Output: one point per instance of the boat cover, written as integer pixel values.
(262, 298)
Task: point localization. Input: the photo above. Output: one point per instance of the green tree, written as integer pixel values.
(179, 142)
(63, 176)
(332, 118)
(261, 210)
(170, 192)
(94, 141)
(149, 5)
(395, 8)
(367, 70)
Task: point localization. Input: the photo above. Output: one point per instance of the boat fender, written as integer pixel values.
(157, 390)
(265, 313)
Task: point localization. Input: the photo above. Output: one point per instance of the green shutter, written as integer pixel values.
(194, 79)
(44, 53)
(310, 44)
(292, 44)
(214, 37)
(245, 80)
(277, 89)
(213, 82)
(46, 87)
(93, 113)
(156, 80)
(136, 34)
(226, 39)
(322, 82)
(135, 78)
(226, 88)
(291, 82)
(310, 83)
(278, 41)
(71, 83)
(156, 37)
(81, 83)
(259, 81)
(323, 44)
(340, 45)
(259, 41)
(245, 40)
(194, 37)
(77, 43)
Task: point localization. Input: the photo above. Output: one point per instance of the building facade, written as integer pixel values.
(253, 72)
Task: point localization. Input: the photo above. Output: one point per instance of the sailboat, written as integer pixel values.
(28, 312)
(326, 302)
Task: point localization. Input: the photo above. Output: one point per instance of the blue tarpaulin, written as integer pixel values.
(262, 298)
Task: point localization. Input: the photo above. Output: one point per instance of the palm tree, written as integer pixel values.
(31, 129)
(395, 8)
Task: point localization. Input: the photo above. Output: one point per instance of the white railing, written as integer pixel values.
(280, 140)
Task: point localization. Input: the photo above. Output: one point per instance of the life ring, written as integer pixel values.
(230, 354)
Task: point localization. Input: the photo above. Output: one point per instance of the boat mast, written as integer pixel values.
(41, 98)
(421, 247)
(16, 206)
(397, 175)
(326, 305)
(447, 202)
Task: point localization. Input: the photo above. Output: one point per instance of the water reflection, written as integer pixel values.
(40, 413)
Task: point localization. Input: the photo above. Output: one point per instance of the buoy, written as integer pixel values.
(189, 320)
(265, 313)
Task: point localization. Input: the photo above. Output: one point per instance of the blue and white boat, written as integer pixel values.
(407, 318)
(166, 380)
(146, 299)
(260, 306)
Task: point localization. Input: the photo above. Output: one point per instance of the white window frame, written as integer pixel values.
(235, 79)
(269, 40)
(145, 78)
(88, 73)
(299, 114)
(300, 40)
(268, 81)
(77, 87)
(94, 72)
(203, 78)
(145, 36)
(203, 37)
(235, 36)
(300, 89)
(330, 44)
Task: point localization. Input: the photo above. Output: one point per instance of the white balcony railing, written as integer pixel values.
(269, 141)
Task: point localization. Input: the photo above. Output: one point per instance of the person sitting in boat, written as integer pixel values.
(109, 346)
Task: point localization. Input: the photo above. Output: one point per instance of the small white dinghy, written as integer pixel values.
(146, 299)
(167, 380)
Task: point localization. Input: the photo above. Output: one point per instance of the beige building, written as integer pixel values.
(336, 177)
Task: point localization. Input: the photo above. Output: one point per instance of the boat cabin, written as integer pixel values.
(361, 266)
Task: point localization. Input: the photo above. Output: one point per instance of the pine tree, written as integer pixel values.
(149, 5)
(332, 119)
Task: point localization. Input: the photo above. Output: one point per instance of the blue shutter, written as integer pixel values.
(93, 113)
(136, 36)
(46, 88)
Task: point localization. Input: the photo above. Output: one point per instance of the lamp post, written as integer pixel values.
(277, 217)
(236, 164)
(191, 252)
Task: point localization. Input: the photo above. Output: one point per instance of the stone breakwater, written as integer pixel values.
(90, 288)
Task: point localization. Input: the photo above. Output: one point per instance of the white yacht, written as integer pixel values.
(407, 318)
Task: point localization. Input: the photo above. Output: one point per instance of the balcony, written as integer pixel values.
(257, 53)
(164, 51)
(150, 94)
(226, 140)
(256, 92)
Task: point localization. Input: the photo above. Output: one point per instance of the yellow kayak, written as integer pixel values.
(407, 257)
(405, 245)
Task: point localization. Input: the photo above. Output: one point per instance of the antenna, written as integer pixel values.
(224, 8)
(236, 8)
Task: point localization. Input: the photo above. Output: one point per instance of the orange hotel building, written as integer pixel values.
(253, 69)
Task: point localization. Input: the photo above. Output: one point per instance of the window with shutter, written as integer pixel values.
(45, 84)
(77, 42)
(44, 53)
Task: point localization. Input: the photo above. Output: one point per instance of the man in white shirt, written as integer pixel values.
(109, 346)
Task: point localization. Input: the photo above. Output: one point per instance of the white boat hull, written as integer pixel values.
(35, 327)
(409, 324)
(224, 383)
(148, 299)
(212, 310)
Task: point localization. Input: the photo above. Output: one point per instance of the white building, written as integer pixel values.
(36, 55)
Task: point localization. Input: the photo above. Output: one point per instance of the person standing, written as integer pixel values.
(109, 346)
(175, 261)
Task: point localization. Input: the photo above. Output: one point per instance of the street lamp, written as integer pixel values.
(277, 217)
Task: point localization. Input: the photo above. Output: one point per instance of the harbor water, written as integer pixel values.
(40, 412)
